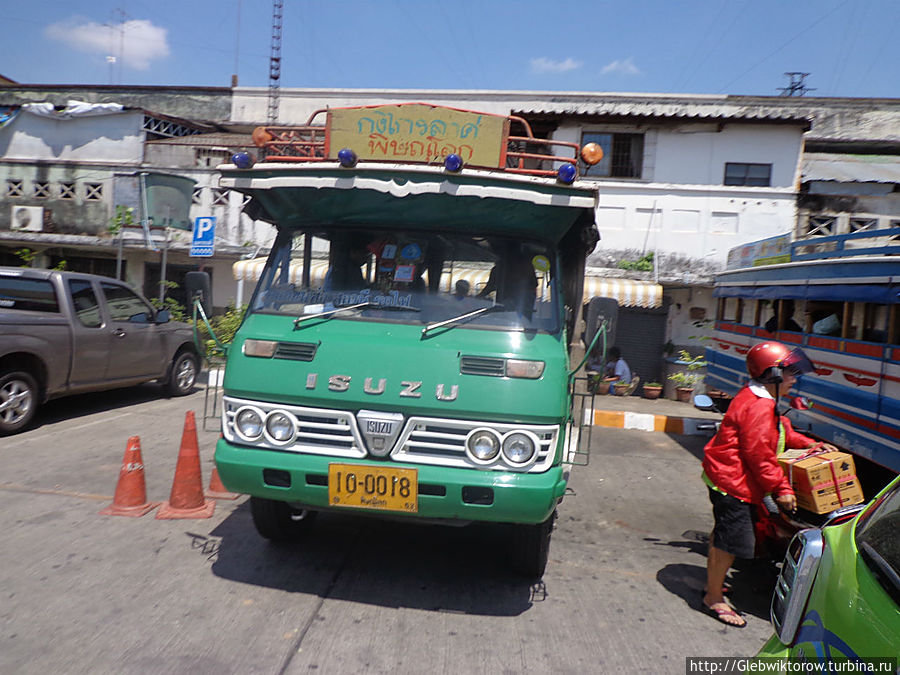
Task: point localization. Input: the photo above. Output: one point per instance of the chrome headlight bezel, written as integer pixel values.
(485, 433)
(519, 435)
(241, 431)
(290, 425)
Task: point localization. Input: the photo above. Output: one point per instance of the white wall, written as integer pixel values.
(696, 221)
(115, 138)
(696, 154)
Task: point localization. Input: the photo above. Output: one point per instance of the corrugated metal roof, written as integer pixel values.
(695, 108)
(823, 166)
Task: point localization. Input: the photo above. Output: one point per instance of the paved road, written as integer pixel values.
(84, 593)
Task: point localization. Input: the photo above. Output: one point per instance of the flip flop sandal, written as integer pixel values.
(720, 614)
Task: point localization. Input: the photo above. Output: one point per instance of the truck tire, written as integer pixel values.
(279, 521)
(183, 375)
(531, 547)
(18, 401)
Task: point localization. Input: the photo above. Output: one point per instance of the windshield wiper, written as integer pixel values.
(462, 317)
(359, 305)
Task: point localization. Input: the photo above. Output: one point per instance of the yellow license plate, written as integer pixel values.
(383, 488)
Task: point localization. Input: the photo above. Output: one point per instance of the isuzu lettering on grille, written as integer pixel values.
(408, 389)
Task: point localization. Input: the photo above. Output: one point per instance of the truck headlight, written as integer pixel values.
(519, 447)
(280, 426)
(248, 422)
(483, 445)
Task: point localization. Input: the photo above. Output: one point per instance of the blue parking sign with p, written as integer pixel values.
(203, 242)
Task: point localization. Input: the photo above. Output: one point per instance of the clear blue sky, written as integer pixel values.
(665, 46)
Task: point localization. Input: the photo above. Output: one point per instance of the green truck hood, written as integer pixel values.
(356, 351)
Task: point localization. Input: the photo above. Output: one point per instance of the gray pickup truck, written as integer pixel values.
(65, 333)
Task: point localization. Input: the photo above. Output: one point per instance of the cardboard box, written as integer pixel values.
(822, 482)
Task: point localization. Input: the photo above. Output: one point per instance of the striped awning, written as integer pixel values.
(628, 292)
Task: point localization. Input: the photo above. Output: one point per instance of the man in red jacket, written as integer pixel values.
(740, 466)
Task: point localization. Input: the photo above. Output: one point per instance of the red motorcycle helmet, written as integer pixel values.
(767, 360)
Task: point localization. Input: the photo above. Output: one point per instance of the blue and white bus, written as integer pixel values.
(837, 298)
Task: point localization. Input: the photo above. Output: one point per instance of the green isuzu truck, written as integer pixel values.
(406, 350)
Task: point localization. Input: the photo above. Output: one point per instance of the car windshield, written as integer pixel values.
(878, 539)
(411, 277)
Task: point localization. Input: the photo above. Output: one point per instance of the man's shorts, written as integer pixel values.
(734, 531)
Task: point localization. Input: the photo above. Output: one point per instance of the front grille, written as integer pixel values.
(482, 365)
(321, 431)
(296, 351)
(428, 440)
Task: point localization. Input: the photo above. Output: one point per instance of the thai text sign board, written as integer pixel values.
(416, 132)
(769, 251)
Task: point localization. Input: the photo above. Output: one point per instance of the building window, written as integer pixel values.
(210, 158)
(220, 197)
(93, 192)
(41, 189)
(623, 155)
(197, 196)
(67, 190)
(739, 173)
(14, 188)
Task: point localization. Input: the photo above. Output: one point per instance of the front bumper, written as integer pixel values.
(445, 493)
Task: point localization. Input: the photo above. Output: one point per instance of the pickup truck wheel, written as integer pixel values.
(531, 547)
(18, 401)
(279, 521)
(183, 376)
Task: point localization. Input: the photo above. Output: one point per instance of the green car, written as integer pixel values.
(838, 596)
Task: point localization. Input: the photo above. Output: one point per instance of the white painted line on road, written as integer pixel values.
(68, 430)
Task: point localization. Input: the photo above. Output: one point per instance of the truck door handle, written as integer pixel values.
(119, 333)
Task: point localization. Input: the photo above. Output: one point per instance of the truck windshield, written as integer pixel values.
(878, 541)
(412, 277)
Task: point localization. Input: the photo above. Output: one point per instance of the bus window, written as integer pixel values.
(824, 318)
(875, 322)
(893, 325)
(783, 317)
(730, 309)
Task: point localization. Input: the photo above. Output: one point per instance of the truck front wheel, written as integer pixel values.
(531, 547)
(18, 401)
(279, 521)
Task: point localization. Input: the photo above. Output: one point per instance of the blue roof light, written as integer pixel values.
(347, 158)
(567, 173)
(453, 163)
(242, 160)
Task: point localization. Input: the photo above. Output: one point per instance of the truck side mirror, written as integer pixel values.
(199, 287)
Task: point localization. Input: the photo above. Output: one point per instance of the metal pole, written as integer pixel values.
(119, 256)
(162, 272)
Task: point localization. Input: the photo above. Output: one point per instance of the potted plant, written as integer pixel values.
(620, 387)
(652, 390)
(686, 380)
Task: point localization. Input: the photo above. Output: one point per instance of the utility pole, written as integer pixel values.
(275, 61)
(797, 86)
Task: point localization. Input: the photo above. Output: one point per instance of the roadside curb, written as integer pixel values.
(619, 419)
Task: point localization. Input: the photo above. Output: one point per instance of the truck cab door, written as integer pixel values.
(90, 339)
(136, 343)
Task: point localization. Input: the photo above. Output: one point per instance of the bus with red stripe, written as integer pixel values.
(837, 298)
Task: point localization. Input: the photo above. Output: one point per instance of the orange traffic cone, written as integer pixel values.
(186, 500)
(217, 489)
(131, 490)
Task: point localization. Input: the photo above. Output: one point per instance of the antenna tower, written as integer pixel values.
(275, 61)
(797, 86)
